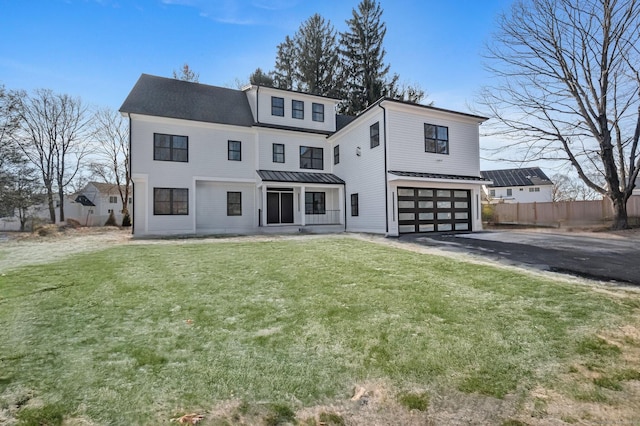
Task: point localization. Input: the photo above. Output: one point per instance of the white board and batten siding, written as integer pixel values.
(362, 169)
(208, 158)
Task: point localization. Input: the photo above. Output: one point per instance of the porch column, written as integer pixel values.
(302, 206)
(341, 207)
(263, 204)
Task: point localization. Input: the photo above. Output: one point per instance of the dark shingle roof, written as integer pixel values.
(168, 97)
(84, 201)
(300, 177)
(436, 176)
(517, 177)
(343, 120)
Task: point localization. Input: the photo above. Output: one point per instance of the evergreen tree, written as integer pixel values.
(363, 55)
(284, 73)
(260, 78)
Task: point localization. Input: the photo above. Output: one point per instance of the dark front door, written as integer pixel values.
(279, 207)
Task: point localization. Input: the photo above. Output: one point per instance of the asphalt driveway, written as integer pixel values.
(600, 256)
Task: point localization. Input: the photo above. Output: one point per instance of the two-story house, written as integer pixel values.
(208, 159)
(526, 185)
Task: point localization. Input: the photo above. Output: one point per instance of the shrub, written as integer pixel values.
(111, 221)
(126, 220)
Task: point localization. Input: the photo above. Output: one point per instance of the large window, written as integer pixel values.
(317, 112)
(314, 203)
(170, 201)
(277, 106)
(170, 147)
(297, 109)
(355, 210)
(436, 139)
(278, 153)
(234, 203)
(113, 200)
(336, 154)
(311, 158)
(234, 150)
(374, 134)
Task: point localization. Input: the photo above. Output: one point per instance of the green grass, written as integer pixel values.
(137, 333)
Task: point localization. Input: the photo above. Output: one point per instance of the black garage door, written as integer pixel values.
(433, 210)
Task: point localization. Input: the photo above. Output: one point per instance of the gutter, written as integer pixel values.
(133, 185)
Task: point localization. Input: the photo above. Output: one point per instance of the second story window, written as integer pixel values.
(436, 139)
(336, 154)
(278, 153)
(311, 158)
(374, 134)
(170, 148)
(277, 106)
(234, 151)
(317, 112)
(297, 109)
(113, 200)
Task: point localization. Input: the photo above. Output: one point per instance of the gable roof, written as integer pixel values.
(531, 176)
(106, 188)
(171, 98)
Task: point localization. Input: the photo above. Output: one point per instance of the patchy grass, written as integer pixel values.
(136, 334)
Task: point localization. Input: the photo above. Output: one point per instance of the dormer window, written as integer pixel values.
(317, 112)
(277, 106)
(297, 109)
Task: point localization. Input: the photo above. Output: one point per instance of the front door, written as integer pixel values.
(279, 207)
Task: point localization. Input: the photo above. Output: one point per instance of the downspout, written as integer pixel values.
(133, 185)
(386, 183)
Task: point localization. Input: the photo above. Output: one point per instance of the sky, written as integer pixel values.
(97, 49)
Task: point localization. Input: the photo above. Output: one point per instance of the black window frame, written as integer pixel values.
(113, 199)
(317, 115)
(231, 204)
(374, 134)
(277, 106)
(317, 205)
(295, 110)
(274, 154)
(174, 207)
(336, 154)
(438, 144)
(232, 150)
(313, 159)
(355, 208)
(177, 154)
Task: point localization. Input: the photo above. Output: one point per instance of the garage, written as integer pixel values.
(433, 210)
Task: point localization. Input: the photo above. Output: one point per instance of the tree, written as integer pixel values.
(259, 78)
(566, 188)
(363, 55)
(186, 74)
(284, 74)
(569, 91)
(111, 133)
(51, 136)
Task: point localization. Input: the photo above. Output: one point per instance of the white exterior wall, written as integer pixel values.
(292, 142)
(207, 161)
(406, 142)
(211, 208)
(521, 194)
(363, 174)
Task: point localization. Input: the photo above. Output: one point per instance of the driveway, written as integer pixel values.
(601, 256)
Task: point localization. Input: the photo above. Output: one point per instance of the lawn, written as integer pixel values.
(247, 332)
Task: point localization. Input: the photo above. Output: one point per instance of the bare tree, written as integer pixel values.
(570, 86)
(567, 188)
(186, 74)
(111, 133)
(52, 130)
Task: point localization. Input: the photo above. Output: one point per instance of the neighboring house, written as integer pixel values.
(208, 159)
(525, 185)
(93, 204)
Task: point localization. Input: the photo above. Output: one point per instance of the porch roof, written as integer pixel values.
(300, 177)
(438, 176)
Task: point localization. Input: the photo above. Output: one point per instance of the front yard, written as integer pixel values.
(334, 330)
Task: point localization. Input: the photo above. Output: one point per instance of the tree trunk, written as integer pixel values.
(52, 207)
(61, 195)
(620, 213)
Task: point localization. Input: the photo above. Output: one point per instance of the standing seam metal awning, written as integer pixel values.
(299, 177)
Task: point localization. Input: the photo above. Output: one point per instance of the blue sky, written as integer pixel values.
(97, 49)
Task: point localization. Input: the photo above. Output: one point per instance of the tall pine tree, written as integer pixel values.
(285, 69)
(363, 56)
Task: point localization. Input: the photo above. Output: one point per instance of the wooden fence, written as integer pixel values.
(562, 213)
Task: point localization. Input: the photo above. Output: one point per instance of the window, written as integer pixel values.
(130, 200)
(317, 112)
(354, 205)
(314, 203)
(436, 139)
(110, 211)
(534, 189)
(311, 158)
(234, 203)
(297, 109)
(336, 154)
(170, 148)
(492, 192)
(170, 201)
(277, 106)
(374, 134)
(113, 200)
(509, 192)
(278, 153)
(234, 150)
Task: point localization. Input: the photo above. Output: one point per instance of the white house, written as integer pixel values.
(94, 203)
(526, 185)
(208, 159)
